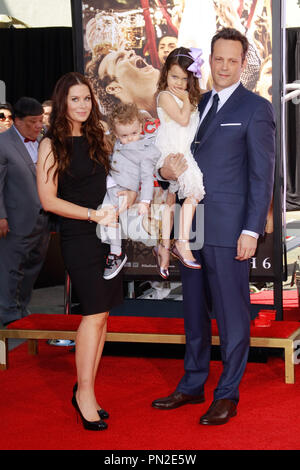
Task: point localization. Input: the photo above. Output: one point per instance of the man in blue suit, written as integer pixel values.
(235, 149)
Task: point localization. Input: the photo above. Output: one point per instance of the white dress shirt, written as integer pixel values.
(223, 97)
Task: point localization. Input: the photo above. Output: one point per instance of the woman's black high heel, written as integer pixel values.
(89, 425)
(102, 413)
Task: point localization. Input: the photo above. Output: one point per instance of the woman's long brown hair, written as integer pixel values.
(181, 57)
(60, 128)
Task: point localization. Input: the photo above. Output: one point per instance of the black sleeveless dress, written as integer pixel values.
(83, 252)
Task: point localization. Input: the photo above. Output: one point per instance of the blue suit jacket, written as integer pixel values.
(237, 157)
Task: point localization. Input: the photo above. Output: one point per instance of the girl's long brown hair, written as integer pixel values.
(181, 57)
(60, 128)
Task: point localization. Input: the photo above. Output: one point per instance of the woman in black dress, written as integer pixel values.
(71, 173)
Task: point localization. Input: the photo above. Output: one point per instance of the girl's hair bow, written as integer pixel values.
(195, 67)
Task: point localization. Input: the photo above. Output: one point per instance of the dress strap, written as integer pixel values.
(163, 91)
(178, 101)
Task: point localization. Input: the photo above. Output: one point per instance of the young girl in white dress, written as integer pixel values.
(177, 106)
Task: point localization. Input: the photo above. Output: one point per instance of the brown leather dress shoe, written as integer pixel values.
(177, 399)
(219, 412)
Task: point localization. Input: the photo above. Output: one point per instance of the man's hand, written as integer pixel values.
(128, 198)
(4, 228)
(246, 247)
(174, 166)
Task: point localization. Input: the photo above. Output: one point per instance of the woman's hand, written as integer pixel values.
(107, 215)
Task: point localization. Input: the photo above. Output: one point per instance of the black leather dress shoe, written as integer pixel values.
(177, 399)
(219, 412)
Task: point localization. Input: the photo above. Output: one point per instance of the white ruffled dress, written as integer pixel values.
(171, 137)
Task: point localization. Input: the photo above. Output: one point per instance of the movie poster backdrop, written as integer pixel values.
(131, 39)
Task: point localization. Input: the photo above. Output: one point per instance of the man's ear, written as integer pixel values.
(244, 64)
(114, 88)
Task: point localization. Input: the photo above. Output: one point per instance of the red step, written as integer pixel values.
(134, 324)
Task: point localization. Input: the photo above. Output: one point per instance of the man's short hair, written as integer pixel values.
(232, 35)
(27, 107)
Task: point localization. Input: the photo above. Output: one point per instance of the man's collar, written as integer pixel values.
(18, 132)
(226, 92)
(24, 139)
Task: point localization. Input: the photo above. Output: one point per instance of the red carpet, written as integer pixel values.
(36, 412)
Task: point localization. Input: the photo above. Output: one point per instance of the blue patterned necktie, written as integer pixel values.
(206, 122)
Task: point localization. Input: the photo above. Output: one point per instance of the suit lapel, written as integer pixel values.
(232, 102)
(20, 147)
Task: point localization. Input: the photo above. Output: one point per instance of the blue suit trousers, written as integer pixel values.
(220, 289)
